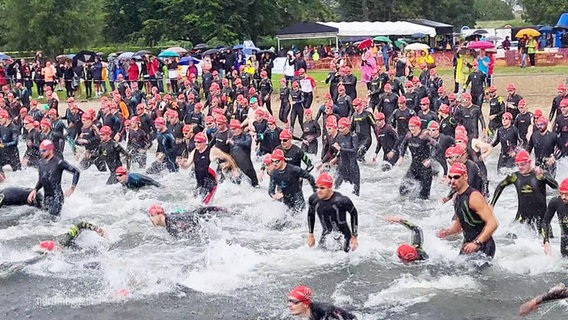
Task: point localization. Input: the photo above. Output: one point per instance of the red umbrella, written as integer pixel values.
(480, 45)
(365, 44)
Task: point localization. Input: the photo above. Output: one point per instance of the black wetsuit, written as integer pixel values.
(416, 239)
(400, 121)
(14, 196)
(443, 142)
(555, 107)
(183, 224)
(471, 223)
(297, 109)
(33, 140)
(544, 145)
(287, 181)
(240, 151)
(375, 88)
(311, 133)
(362, 124)
(509, 140)
(50, 172)
(137, 144)
(514, 100)
(561, 129)
(137, 181)
(205, 176)
(326, 311)
(522, 123)
(295, 156)
(347, 166)
(556, 205)
(448, 126)
(345, 106)
(166, 145)
(68, 239)
(284, 113)
(332, 215)
(269, 140)
(9, 154)
(425, 118)
(110, 152)
(496, 108)
(387, 139)
(470, 118)
(91, 147)
(387, 104)
(531, 194)
(420, 149)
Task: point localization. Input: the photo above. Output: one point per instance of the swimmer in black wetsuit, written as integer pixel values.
(387, 139)
(286, 177)
(241, 144)
(300, 304)
(331, 208)
(530, 184)
(556, 293)
(184, 223)
(414, 251)
(15, 196)
(109, 151)
(557, 205)
(508, 137)
(205, 176)
(133, 180)
(473, 216)
(50, 169)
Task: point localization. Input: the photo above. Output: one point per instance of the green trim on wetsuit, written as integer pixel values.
(66, 240)
(417, 239)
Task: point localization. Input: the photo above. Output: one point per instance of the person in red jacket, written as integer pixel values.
(133, 71)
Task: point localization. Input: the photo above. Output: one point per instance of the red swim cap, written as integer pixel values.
(155, 210)
(325, 180)
(46, 145)
(563, 188)
(186, 128)
(105, 130)
(234, 124)
(414, 121)
(160, 121)
(407, 253)
(537, 113)
(458, 168)
(444, 109)
(344, 122)
(277, 154)
(522, 156)
(302, 294)
(120, 171)
(48, 245)
(433, 125)
(267, 159)
(380, 116)
(402, 99)
(200, 137)
(285, 135)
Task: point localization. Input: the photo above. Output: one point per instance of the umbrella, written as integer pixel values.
(546, 29)
(185, 61)
(83, 57)
(168, 54)
(238, 47)
(201, 46)
(210, 52)
(400, 43)
(493, 38)
(481, 31)
(367, 43)
(62, 57)
(529, 32)
(4, 56)
(417, 46)
(248, 51)
(143, 53)
(179, 50)
(270, 52)
(126, 55)
(480, 45)
(418, 35)
(383, 39)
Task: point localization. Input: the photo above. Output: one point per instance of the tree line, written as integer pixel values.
(54, 25)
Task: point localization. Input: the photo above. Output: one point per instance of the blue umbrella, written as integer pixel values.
(185, 61)
(418, 35)
(168, 54)
(546, 29)
(248, 51)
(238, 47)
(4, 56)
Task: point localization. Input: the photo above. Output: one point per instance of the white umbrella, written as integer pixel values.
(179, 50)
(417, 46)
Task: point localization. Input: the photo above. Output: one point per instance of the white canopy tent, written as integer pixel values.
(378, 28)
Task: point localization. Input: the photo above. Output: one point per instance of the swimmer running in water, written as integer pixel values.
(414, 251)
(300, 304)
(182, 223)
(67, 239)
(558, 292)
(133, 180)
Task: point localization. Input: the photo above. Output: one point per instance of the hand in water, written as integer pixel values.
(442, 233)
(354, 243)
(470, 247)
(69, 192)
(393, 219)
(311, 240)
(32, 196)
(528, 307)
(547, 248)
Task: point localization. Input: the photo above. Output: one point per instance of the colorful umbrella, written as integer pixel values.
(417, 46)
(179, 50)
(365, 44)
(201, 46)
(168, 54)
(382, 39)
(400, 43)
(480, 45)
(528, 31)
(83, 57)
(210, 52)
(4, 56)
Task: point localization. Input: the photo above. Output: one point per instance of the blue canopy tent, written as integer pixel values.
(561, 27)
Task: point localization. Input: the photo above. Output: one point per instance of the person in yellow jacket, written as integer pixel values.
(532, 46)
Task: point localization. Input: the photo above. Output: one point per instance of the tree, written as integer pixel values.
(51, 25)
(493, 10)
(543, 12)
